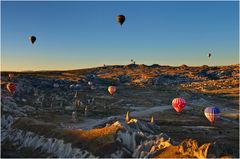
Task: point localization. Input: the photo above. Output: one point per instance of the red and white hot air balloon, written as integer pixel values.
(178, 104)
(10, 76)
(112, 89)
(11, 87)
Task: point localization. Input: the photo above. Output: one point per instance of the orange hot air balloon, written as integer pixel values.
(11, 87)
(11, 76)
(178, 104)
(112, 89)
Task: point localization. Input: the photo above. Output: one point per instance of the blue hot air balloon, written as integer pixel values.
(212, 113)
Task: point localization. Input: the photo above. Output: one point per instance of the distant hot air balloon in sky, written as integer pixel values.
(178, 104)
(11, 76)
(120, 19)
(32, 39)
(212, 113)
(112, 89)
(209, 55)
(11, 87)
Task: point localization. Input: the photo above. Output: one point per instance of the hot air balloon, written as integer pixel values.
(112, 89)
(209, 55)
(120, 19)
(212, 113)
(10, 75)
(11, 87)
(178, 104)
(32, 39)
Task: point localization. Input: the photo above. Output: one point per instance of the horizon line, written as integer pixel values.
(55, 70)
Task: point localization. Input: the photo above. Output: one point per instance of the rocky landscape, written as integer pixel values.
(37, 120)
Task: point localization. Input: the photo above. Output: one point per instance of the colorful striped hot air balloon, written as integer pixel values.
(112, 89)
(178, 104)
(212, 113)
(11, 87)
(10, 76)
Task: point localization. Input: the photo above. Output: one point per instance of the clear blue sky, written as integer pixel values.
(72, 35)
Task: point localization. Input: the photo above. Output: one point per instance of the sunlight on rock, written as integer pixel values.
(152, 120)
(127, 117)
(190, 148)
(132, 121)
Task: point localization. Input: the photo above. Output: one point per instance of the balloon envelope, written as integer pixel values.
(120, 19)
(112, 89)
(212, 113)
(11, 76)
(178, 104)
(32, 39)
(11, 87)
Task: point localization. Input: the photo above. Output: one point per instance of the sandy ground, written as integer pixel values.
(89, 123)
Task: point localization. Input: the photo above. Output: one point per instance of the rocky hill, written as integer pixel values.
(37, 120)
